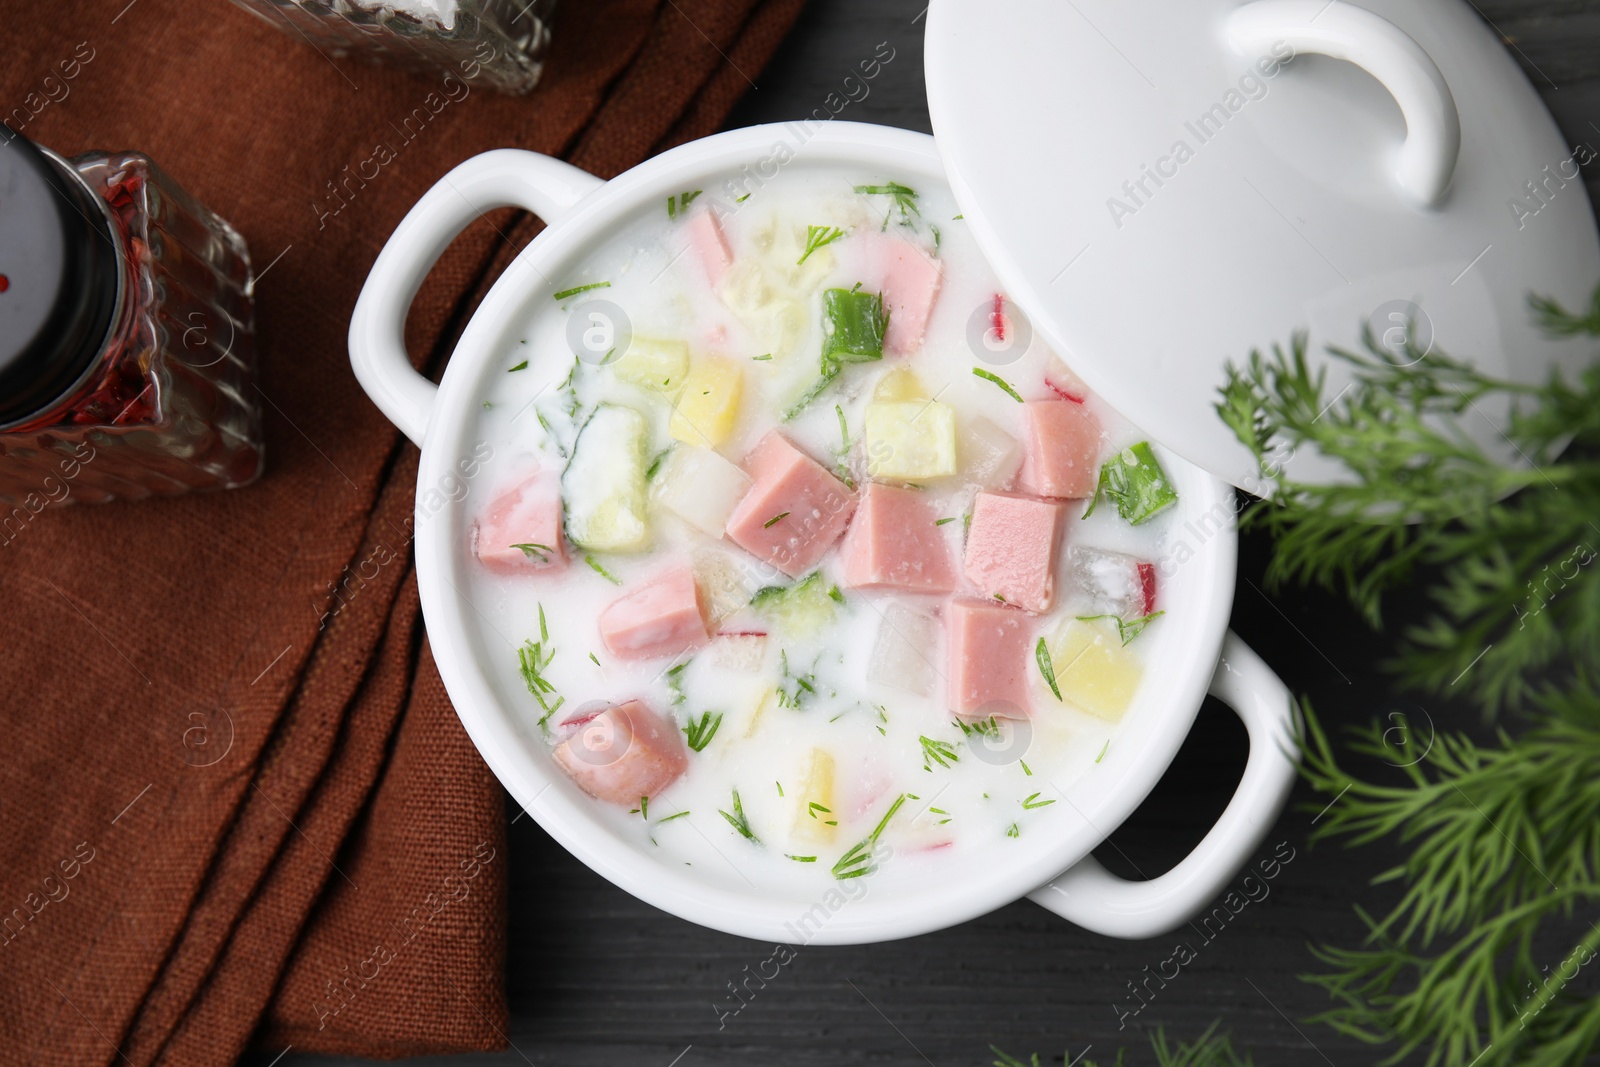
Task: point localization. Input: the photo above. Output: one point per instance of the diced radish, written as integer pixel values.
(1147, 583)
(663, 617)
(700, 487)
(990, 457)
(623, 753)
(521, 530)
(1111, 583)
(905, 655)
(742, 652)
(709, 244)
(997, 318)
(1060, 380)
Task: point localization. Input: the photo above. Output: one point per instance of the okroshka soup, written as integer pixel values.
(797, 553)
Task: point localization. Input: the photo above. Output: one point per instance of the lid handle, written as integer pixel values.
(1388, 53)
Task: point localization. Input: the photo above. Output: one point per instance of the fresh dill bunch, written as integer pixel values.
(1479, 961)
(1210, 1049)
(1509, 544)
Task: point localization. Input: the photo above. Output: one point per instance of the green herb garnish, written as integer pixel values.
(737, 819)
(655, 463)
(1041, 655)
(819, 237)
(601, 571)
(669, 818)
(533, 658)
(677, 205)
(675, 684)
(1033, 801)
(858, 861)
(566, 294)
(800, 859)
(534, 550)
(520, 366)
(1103, 750)
(701, 731)
(779, 517)
(904, 198)
(941, 752)
(1134, 481)
(990, 376)
(1127, 629)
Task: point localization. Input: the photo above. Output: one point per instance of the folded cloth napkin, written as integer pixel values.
(234, 799)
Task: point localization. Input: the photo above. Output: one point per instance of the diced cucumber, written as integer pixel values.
(853, 325)
(657, 365)
(910, 440)
(604, 483)
(803, 609)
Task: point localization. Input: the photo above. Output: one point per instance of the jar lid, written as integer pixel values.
(1166, 185)
(58, 277)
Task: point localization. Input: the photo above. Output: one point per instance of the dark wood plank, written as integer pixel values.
(598, 979)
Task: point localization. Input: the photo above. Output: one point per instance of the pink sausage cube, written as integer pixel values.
(709, 244)
(910, 285)
(623, 753)
(1061, 450)
(794, 509)
(528, 513)
(1012, 548)
(988, 660)
(663, 617)
(895, 543)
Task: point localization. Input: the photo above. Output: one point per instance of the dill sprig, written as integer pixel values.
(1501, 837)
(700, 731)
(858, 861)
(1502, 848)
(941, 752)
(533, 658)
(1210, 1049)
(738, 821)
(1509, 600)
(819, 237)
(1127, 629)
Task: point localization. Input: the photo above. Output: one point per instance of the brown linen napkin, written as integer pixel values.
(231, 802)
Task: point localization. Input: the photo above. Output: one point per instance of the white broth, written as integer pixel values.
(809, 729)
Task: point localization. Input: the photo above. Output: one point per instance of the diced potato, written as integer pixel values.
(700, 487)
(1093, 669)
(782, 245)
(901, 383)
(770, 310)
(709, 404)
(763, 702)
(604, 484)
(816, 816)
(990, 457)
(657, 365)
(726, 585)
(910, 440)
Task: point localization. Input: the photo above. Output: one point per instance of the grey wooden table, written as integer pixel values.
(598, 979)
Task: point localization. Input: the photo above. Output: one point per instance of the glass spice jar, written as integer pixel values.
(498, 43)
(127, 356)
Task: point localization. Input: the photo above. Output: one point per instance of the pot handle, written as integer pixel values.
(1098, 900)
(506, 177)
(1388, 53)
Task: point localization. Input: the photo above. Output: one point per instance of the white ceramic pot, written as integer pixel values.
(1056, 870)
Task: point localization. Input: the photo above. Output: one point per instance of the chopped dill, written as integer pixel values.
(990, 376)
(567, 294)
(941, 752)
(819, 237)
(601, 571)
(1041, 654)
(738, 821)
(700, 731)
(858, 861)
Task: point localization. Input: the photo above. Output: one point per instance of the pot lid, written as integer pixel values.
(1166, 185)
